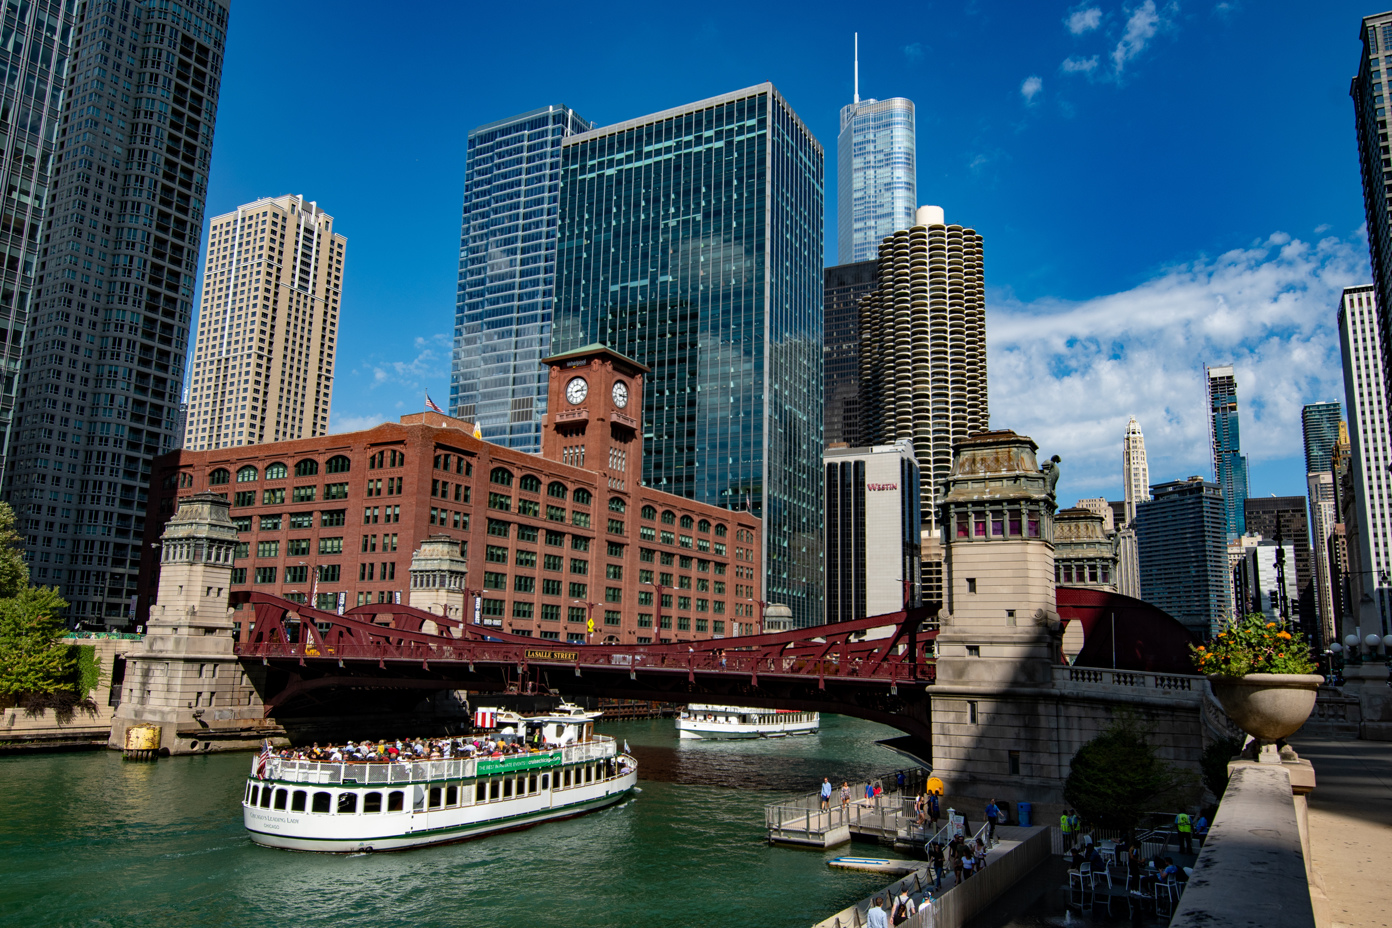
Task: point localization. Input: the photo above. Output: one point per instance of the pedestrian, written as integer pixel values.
(992, 817)
(1185, 827)
(935, 856)
(956, 851)
(920, 816)
(899, 779)
(1201, 828)
(1075, 822)
(903, 907)
(876, 917)
(869, 793)
(826, 794)
(845, 794)
(1066, 826)
(934, 811)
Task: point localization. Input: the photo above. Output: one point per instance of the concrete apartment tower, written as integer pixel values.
(923, 358)
(507, 274)
(1229, 463)
(119, 261)
(1371, 467)
(876, 172)
(263, 360)
(183, 677)
(1320, 424)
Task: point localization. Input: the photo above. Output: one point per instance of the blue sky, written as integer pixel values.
(1159, 185)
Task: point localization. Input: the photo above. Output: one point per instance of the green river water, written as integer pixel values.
(87, 839)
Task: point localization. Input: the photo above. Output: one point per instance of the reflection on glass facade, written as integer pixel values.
(34, 61)
(1229, 463)
(691, 240)
(876, 185)
(844, 286)
(507, 270)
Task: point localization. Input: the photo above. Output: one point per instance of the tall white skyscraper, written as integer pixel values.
(267, 326)
(876, 179)
(1368, 426)
(1134, 470)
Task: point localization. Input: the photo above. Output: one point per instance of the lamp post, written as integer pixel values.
(478, 598)
(657, 610)
(1382, 600)
(761, 604)
(589, 617)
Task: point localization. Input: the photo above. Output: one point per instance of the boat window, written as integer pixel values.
(372, 802)
(253, 791)
(435, 794)
(566, 782)
(347, 803)
(507, 787)
(297, 801)
(451, 795)
(321, 802)
(481, 791)
(280, 798)
(265, 797)
(532, 783)
(418, 799)
(545, 780)
(395, 800)
(493, 789)
(589, 773)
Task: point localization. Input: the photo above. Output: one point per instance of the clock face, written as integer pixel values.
(577, 390)
(620, 394)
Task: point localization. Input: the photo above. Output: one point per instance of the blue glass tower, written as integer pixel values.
(1229, 463)
(691, 240)
(507, 270)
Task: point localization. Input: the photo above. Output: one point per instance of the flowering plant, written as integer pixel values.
(1253, 644)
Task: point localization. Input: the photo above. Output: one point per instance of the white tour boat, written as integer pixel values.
(706, 722)
(381, 806)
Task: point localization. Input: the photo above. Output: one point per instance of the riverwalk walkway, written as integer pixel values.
(887, 818)
(1350, 830)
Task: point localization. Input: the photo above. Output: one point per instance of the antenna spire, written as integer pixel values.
(856, 99)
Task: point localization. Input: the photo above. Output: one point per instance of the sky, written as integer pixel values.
(1159, 185)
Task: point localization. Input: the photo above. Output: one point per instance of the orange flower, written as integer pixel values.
(1285, 635)
(1270, 624)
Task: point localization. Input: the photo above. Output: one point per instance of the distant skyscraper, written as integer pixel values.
(1229, 463)
(507, 272)
(1372, 123)
(125, 219)
(721, 297)
(923, 357)
(1369, 439)
(1269, 515)
(34, 58)
(870, 491)
(1183, 553)
(1134, 469)
(876, 176)
(844, 286)
(1320, 424)
(263, 359)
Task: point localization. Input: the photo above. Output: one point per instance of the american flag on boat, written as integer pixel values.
(264, 760)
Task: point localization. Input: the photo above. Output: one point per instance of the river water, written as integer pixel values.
(87, 839)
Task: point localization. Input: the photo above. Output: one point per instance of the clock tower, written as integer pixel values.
(594, 414)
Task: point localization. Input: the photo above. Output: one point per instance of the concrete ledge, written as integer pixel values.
(1251, 870)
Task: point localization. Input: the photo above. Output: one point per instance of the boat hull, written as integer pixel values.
(689, 730)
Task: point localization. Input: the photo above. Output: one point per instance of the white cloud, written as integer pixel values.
(1081, 21)
(432, 362)
(356, 423)
(1030, 88)
(1069, 374)
(1076, 65)
(1141, 27)
(913, 51)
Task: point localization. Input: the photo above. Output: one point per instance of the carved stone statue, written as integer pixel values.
(1050, 469)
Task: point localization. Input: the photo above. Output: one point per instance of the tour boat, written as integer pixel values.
(382, 806)
(707, 722)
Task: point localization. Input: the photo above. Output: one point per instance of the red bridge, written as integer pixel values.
(309, 660)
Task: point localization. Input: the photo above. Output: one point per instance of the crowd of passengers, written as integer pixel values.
(409, 750)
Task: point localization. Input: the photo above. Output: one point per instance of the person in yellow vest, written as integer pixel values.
(1066, 827)
(1185, 827)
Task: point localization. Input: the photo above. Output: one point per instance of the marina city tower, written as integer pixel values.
(691, 241)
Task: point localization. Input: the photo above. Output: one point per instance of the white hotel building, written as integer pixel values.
(872, 530)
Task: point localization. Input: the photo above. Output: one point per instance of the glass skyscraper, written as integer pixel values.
(876, 182)
(691, 240)
(1229, 463)
(507, 272)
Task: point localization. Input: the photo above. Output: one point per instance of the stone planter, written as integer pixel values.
(1268, 706)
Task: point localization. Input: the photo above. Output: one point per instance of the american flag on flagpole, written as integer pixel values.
(430, 404)
(263, 760)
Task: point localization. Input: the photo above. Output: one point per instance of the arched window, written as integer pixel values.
(529, 484)
(649, 512)
(616, 504)
(306, 468)
(219, 477)
(703, 526)
(720, 531)
(669, 517)
(276, 471)
(246, 474)
(686, 522)
(581, 496)
(501, 476)
(556, 489)
(338, 464)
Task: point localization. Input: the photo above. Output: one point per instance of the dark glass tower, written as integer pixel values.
(1320, 423)
(844, 285)
(109, 320)
(691, 240)
(1183, 555)
(1371, 122)
(1229, 463)
(507, 273)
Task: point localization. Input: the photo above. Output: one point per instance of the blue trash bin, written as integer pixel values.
(1024, 810)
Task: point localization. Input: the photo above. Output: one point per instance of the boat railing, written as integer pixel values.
(336, 773)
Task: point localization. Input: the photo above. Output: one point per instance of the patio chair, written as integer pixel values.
(1080, 895)
(1165, 894)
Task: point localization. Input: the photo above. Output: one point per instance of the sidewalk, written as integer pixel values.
(1351, 827)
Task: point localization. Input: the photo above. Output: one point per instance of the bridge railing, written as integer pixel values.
(1178, 684)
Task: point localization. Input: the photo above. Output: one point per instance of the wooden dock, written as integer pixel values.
(887, 818)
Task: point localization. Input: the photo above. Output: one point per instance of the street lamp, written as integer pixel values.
(1382, 600)
(761, 604)
(589, 617)
(657, 609)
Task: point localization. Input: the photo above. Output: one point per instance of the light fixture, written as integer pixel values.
(1373, 641)
(1351, 641)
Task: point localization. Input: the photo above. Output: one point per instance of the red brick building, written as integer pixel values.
(551, 540)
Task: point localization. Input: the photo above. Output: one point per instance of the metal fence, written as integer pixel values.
(803, 819)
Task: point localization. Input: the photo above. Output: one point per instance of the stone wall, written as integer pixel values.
(21, 730)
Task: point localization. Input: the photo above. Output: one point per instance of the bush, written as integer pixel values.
(1116, 778)
(1214, 763)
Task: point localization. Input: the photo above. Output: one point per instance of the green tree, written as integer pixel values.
(33, 659)
(1116, 778)
(1214, 762)
(14, 573)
